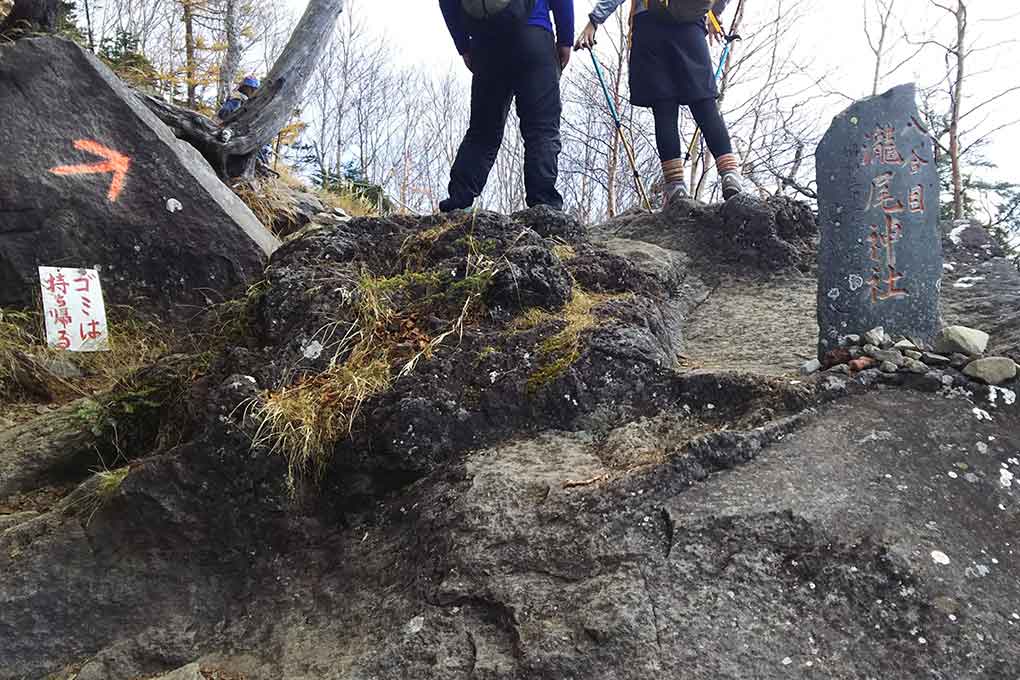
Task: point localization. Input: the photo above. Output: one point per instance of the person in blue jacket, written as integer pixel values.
(523, 63)
(239, 96)
(670, 67)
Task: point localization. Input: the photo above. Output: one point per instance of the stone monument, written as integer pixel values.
(880, 256)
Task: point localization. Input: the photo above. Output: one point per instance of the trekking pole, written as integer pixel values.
(619, 130)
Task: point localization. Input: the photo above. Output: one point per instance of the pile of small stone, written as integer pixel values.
(877, 354)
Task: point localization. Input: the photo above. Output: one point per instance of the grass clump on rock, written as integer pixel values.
(559, 351)
(385, 339)
(32, 373)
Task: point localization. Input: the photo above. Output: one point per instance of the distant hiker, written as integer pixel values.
(239, 96)
(670, 66)
(509, 47)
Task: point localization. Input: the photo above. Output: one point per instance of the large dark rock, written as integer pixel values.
(591, 332)
(162, 229)
(618, 521)
(745, 236)
(880, 256)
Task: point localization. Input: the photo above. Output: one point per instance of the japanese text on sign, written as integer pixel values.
(74, 309)
(886, 281)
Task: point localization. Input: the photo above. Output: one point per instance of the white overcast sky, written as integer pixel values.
(830, 38)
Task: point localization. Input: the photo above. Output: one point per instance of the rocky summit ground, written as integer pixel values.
(488, 447)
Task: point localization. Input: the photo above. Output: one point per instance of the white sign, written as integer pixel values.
(74, 309)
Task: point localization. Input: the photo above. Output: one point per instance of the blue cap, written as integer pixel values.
(251, 81)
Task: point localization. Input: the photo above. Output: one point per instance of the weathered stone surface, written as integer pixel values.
(811, 367)
(915, 366)
(772, 236)
(877, 337)
(534, 276)
(60, 367)
(167, 235)
(46, 450)
(962, 340)
(992, 371)
(880, 257)
(497, 567)
(16, 518)
(936, 360)
(190, 672)
(884, 355)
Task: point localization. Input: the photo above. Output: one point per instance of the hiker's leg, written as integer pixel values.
(490, 105)
(713, 127)
(539, 107)
(671, 150)
(667, 131)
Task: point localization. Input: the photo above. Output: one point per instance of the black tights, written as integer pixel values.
(706, 115)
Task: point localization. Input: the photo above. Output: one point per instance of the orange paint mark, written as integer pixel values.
(116, 162)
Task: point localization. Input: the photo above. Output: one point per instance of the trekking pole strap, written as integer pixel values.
(728, 37)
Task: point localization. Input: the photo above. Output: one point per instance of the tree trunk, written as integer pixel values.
(190, 69)
(232, 57)
(954, 125)
(88, 27)
(879, 48)
(266, 113)
(32, 15)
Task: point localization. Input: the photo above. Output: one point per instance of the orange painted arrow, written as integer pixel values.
(116, 162)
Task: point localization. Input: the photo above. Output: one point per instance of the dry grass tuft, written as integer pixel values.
(109, 482)
(305, 420)
(88, 498)
(25, 360)
(383, 343)
(17, 334)
(561, 349)
(270, 199)
(564, 252)
(351, 202)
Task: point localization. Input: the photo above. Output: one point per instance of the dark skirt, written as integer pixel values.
(670, 62)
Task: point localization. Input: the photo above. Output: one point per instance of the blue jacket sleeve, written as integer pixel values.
(720, 7)
(229, 106)
(455, 23)
(563, 13)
